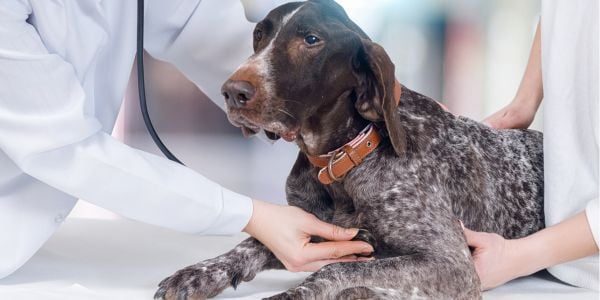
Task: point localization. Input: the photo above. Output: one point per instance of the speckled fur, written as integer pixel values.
(454, 169)
(410, 201)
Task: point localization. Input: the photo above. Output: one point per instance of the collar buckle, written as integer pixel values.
(336, 164)
(334, 155)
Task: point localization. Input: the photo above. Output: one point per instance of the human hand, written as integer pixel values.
(286, 231)
(496, 259)
(519, 114)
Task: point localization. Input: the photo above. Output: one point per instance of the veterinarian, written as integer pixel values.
(563, 70)
(64, 67)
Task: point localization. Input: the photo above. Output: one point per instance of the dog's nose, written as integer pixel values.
(238, 92)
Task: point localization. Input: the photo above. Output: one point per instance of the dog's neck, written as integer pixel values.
(332, 129)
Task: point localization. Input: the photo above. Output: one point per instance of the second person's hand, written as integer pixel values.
(519, 114)
(286, 231)
(494, 258)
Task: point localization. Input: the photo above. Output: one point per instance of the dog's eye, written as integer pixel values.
(311, 39)
(258, 34)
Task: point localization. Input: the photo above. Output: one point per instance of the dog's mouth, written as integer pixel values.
(274, 130)
(287, 135)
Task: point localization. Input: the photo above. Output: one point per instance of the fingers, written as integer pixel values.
(487, 122)
(444, 107)
(331, 232)
(335, 250)
(474, 239)
(494, 121)
(502, 119)
(317, 265)
(510, 117)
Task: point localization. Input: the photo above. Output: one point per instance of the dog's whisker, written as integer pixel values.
(293, 101)
(286, 113)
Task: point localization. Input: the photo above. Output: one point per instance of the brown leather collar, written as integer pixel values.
(336, 164)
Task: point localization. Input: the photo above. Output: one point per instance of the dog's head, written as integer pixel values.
(312, 65)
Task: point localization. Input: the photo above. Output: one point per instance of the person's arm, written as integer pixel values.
(48, 129)
(498, 260)
(521, 111)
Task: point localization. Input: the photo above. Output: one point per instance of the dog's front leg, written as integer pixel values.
(416, 276)
(422, 255)
(210, 277)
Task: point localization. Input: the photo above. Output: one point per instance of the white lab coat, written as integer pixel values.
(64, 67)
(570, 75)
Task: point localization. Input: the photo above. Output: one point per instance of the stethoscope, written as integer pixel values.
(142, 87)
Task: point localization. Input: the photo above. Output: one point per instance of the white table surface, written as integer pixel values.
(122, 259)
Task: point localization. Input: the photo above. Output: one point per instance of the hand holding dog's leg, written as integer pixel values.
(210, 277)
(287, 231)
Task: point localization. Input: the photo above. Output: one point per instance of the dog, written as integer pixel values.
(373, 155)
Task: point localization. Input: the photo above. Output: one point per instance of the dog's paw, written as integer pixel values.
(200, 281)
(367, 237)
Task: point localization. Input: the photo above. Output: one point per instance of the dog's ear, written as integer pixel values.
(378, 91)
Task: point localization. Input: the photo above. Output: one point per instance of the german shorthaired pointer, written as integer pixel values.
(407, 179)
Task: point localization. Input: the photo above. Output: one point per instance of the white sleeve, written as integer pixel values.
(207, 40)
(592, 210)
(256, 10)
(47, 129)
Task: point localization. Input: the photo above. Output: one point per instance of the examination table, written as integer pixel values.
(122, 259)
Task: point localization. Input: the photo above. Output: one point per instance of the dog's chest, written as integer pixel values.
(352, 198)
(344, 206)
(351, 207)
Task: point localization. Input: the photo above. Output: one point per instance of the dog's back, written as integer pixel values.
(493, 178)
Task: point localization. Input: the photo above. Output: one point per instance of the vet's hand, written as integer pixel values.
(519, 114)
(494, 258)
(286, 230)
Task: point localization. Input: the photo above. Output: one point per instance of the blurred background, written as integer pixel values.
(468, 54)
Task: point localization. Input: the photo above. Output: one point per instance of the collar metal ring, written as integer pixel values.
(333, 157)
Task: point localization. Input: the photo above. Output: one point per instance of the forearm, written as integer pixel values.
(569, 240)
(140, 186)
(531, 88)
(520, 113)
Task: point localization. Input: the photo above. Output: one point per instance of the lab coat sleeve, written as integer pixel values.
(207, 40)
(592, 210)
(50, 132)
